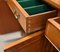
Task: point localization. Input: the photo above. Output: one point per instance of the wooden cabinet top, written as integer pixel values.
(55, 3)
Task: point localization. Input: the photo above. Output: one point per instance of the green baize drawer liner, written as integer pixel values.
(34, 6)
(29, 3)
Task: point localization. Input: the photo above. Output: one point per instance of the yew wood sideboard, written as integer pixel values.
(31, 20)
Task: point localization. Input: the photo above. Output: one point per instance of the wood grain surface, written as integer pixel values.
(8, 23)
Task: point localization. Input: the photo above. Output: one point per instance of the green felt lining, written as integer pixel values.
(34, 6)
(28, 3)
(37, 9)
(22, 0)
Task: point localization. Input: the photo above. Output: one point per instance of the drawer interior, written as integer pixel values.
(34, 6)
(57, 20)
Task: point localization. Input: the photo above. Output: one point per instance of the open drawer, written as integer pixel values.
(32, 42)
(53, 31)
(31, 14)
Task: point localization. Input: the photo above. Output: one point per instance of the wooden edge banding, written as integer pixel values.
(53, 22)
(52, 43)
(27, 38)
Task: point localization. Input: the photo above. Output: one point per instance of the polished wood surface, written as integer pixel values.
(8, 23)
(55, 3)
(35, 42)
(53, 31)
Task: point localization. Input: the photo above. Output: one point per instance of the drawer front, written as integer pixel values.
(32, 43)
(38, 22)
(53, 34)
